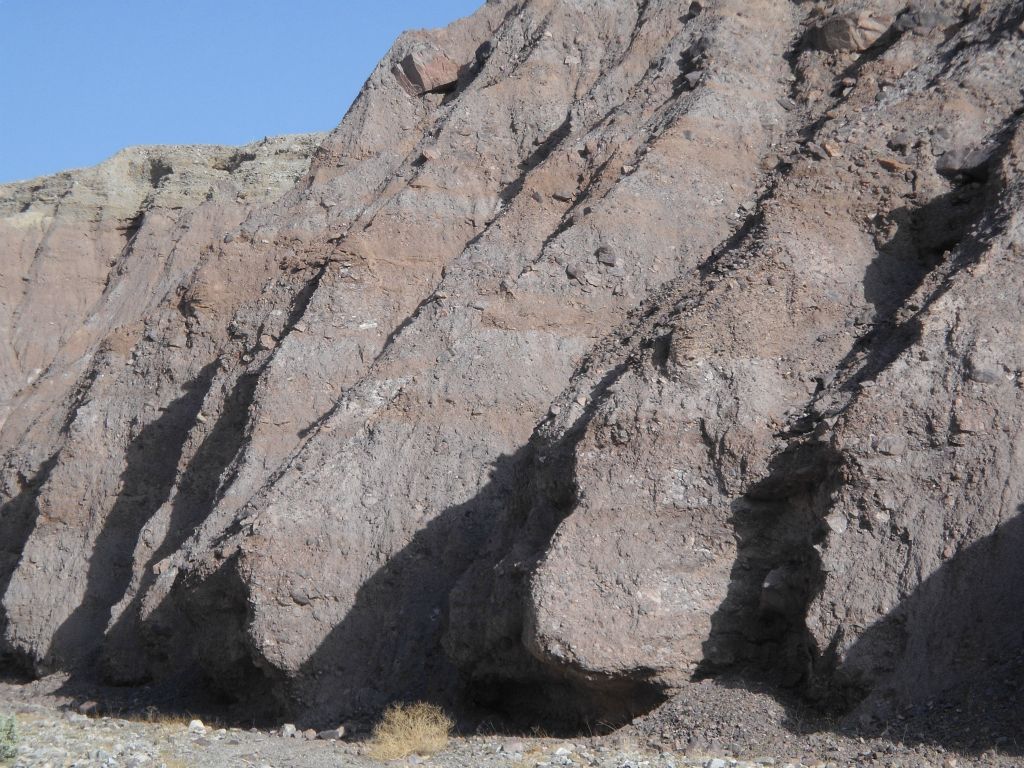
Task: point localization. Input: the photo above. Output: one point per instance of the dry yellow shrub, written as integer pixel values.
(409, 729)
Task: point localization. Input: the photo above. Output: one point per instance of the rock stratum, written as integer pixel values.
(604, 347)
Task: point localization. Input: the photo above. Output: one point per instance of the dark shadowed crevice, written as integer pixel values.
(759, 634)
(158, 171)
(932, 243)
(538, 156)
(233, 679)
(234, 161)
(758, 631)
(131, 227)
(227, 686)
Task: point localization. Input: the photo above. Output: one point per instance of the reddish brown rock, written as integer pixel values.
(427, 70)
(559, 391)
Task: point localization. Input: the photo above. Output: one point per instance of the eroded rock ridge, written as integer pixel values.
(603, 347)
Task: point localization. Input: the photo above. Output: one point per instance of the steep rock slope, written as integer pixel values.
(602, 346)
(800, 418)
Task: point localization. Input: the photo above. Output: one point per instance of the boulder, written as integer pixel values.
(849, 33)
(427, 70)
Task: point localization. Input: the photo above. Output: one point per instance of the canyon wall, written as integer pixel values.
(603, 347)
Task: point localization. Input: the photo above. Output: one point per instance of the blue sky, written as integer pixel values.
(80, 79)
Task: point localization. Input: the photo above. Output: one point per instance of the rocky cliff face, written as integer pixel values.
(601, 348)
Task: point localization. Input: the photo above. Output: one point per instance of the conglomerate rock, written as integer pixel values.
(602, 347)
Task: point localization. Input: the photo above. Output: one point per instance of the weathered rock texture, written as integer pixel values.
(603, 346)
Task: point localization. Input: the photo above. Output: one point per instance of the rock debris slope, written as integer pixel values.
(601, 348)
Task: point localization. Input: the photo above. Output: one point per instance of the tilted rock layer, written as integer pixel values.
(602, 347)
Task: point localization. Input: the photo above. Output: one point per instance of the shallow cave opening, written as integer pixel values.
(14, 669)
(562, 708)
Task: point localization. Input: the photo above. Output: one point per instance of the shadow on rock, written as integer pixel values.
(944, 668)
(17, 519)
(135, 649)
(398, 641)
(950, 656)
(147, 480)
(388, 646)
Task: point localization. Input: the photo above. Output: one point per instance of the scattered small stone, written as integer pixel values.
(196, 727)
(575, 270)
(310, 734)
(891, 445)
(983, 373)
(922, 22)
(837, 522)
(288, 731)
(89, 708)
(334, 734)
(816, 150)
(901, 142)
(971, 163)
(607, 256)
(891, 164)
(693, 78)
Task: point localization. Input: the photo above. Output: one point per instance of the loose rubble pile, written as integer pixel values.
(603, 349)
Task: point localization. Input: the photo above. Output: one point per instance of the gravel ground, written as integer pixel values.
(48, 737)
(695, 729)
